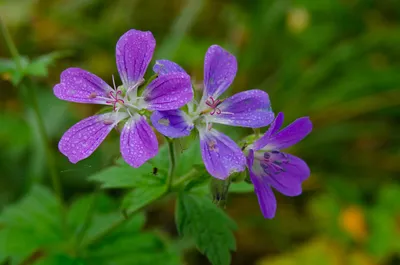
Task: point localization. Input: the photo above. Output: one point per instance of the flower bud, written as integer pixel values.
(219, 190)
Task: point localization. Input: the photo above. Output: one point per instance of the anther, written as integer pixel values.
(213, 104)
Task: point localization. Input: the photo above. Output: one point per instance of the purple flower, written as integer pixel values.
(269, 167)
(138, 143)
(250, 108)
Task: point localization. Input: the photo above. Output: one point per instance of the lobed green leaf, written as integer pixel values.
(211, 229)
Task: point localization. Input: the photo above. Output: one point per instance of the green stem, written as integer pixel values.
(11, 46)
(32, 98)
(51, 163)
(190, 175)
(172, 163)
(257, 132)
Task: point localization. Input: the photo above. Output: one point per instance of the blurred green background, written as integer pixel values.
(337, 61)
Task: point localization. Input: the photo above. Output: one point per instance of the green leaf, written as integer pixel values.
(188, 158)
(153, 172)
(122, 245)
(100, 210)
(141, 196)
(39, 66)
(8, 66)
(198, 218)
(126, 247)
(126, 243)
(59, 259)
(199, 182)
(101, 222)
(123, 176)
(36, 215)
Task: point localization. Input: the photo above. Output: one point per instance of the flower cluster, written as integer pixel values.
(162, 99)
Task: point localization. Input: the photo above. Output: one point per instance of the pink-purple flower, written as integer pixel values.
(221, 155)
(269, 167)
(138, 142)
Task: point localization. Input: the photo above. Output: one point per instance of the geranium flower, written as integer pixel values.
(269, 167)
(138, 142)
(221, 155)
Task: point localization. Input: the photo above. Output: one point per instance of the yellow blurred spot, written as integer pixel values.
(6, 76)
(297, 19)
(321, 251)
(352, 220)
(360, 258)
(47, 30)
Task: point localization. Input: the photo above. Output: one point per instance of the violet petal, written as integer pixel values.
(167, 92)
(285, 173)
(138, 141)
(82, 139)
(172, 123)
(162, 67)
(290, 135)
(273, 128)
(221, 155)
(78, 85)
(134, 51)
(250, 108)
(219, 71)
(265, 195)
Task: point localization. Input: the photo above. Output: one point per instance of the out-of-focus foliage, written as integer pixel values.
(32, 233)
(333, 60)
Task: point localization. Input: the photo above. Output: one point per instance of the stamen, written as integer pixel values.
(213, 104)
(129, 112)
(115, 100)
(115, 87)
(273, 162)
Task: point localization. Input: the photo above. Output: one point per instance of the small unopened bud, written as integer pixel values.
(219, 190)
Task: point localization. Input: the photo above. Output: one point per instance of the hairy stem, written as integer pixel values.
(172, 163)
(190, 175)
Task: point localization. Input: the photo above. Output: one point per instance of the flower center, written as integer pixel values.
(273, 161)
(213, 104)
(114, 96)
